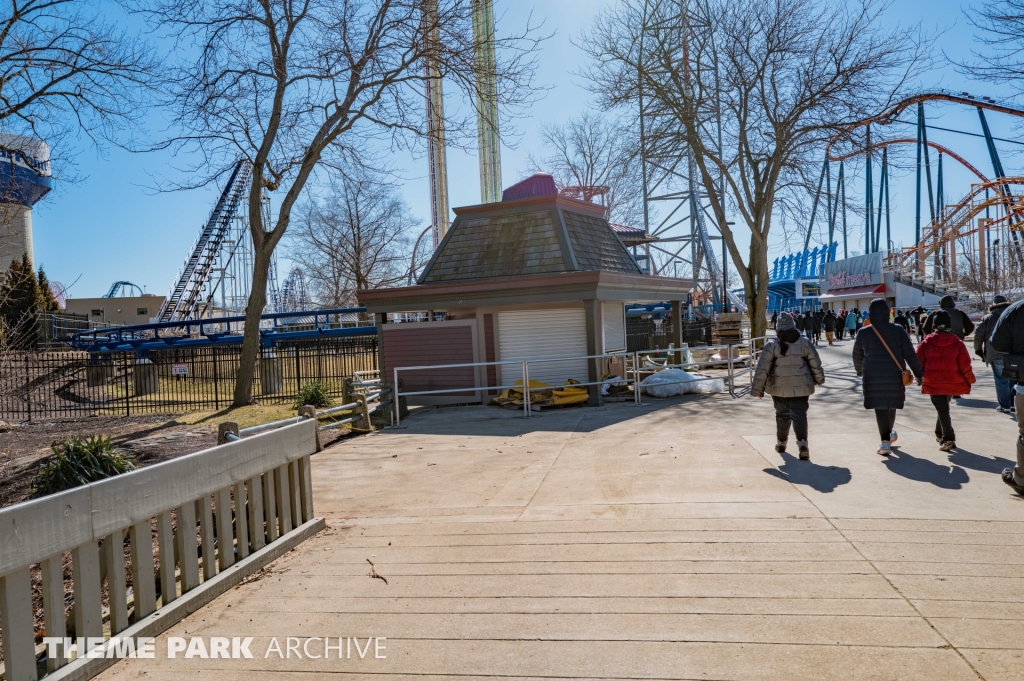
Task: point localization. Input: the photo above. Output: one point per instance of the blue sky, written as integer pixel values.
(111, 225)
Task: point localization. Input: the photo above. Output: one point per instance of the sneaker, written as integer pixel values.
(780, 447)
(1008, 479)
(1002, 410)
(893, 437)
(884, 449)
(805, 453)
(947, 446)
(938, 438)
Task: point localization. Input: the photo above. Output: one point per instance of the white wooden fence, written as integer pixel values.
(220, 515)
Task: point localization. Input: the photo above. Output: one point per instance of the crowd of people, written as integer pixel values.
(886, 359)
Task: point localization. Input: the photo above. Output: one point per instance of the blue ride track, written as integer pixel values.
(143, 338)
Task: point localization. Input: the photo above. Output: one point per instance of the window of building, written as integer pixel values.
(142, 310)
(96, 313)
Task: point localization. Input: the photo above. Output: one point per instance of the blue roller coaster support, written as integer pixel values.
(143, 338)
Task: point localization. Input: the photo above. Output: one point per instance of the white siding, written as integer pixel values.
(613, 320)
(538, 334)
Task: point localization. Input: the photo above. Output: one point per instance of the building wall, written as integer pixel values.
(119, 311)
(431, 343)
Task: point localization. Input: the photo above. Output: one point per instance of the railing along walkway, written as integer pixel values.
(220, 515)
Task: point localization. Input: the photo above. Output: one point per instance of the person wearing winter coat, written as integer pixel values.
(851, 322)
(775, 319)
(883, 375)
(901, 320)
(816, 323)
(829, 322)
(789, 369)
(983, 349)
(1008, 338)
(947, 372)
(962, 325)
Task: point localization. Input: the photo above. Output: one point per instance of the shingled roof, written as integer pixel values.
(535, 235)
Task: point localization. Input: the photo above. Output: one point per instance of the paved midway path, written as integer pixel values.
(667, 541)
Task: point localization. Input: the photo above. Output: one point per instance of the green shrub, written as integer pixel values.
(79, 461)
(316, 394)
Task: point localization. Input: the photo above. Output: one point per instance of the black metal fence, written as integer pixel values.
(72, 383)
(646, 334)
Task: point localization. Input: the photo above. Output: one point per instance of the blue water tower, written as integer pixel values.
(24, 180)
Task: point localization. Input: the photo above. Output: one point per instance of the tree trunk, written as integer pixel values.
(251, 340)
(755, 287)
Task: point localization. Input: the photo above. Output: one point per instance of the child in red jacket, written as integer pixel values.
(947, 371)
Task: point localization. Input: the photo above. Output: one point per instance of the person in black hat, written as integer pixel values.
(983, 349)
(962, 324)
(883, 372)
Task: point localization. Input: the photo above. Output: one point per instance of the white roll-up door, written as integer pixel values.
(540, 334)
(613, 322)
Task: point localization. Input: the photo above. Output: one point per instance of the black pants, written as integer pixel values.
(790, 410)
(944, 424)
(886, 419)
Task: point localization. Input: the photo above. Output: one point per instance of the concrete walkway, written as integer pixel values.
(667, 541)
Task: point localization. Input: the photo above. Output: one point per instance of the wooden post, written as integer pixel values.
(165, 544)
(295, 493)
(223, 429)
(307, 489)
(188, 554)
(677, 332)
(284, 503)
(241, 521)
(270, 505)
(53, 606)
(117, 590)
(225, 535)
(85, 571)
(143, 586)
(592, 309)
(309, 411)
(16, 622)
(205, 515)
(257, 536)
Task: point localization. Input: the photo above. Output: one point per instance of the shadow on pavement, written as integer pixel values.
(977, 462)
(923, 470)
(975, 403)
(820, 478)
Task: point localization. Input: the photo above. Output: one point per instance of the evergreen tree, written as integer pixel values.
(23, 294)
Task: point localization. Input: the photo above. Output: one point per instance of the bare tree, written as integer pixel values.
(1001, 24)
(63, 71)
(595, 158)
(294, 85)
(357, 238)
(782, 76)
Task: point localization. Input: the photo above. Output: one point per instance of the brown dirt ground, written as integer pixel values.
(150, 439)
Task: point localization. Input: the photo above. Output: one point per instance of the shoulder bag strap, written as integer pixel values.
(886, 346)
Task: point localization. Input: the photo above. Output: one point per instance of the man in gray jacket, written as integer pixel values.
(789, 369)
(983, 349)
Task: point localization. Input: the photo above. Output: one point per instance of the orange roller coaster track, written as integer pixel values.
(910, 140)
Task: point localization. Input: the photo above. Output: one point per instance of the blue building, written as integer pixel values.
(794, 283)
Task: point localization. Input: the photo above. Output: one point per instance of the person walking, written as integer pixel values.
(983, 349)
(881, 355)
(829, 322)
(901, 320)
(962, 324)
(851, 322)
(947, 371)
(789, 369)
(775, 319)
(1008, 339)
(816, 324)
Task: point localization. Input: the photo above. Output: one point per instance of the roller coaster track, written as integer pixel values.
(958, 220)
(185, 295)
(910, 140)
(892, 113)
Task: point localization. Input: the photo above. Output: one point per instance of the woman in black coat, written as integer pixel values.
(883, 378)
